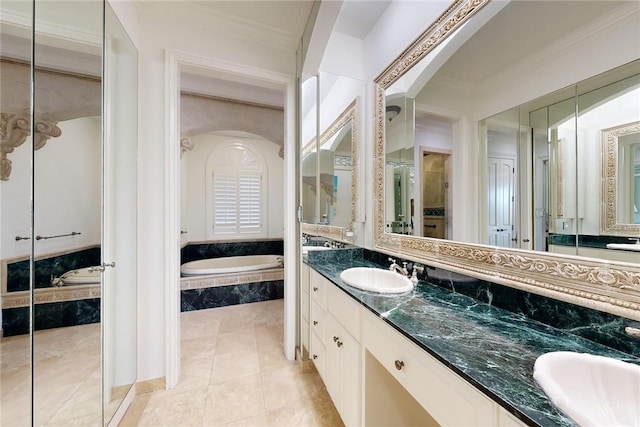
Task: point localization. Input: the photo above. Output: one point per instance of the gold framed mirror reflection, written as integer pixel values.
(619, 148)
(336, 156)
(608, 286)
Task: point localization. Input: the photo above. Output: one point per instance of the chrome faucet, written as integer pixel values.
(400, 270)
(417, 268)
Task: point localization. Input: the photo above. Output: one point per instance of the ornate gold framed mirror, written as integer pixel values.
(605, 285)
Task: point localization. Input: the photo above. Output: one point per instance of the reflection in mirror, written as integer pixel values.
(537, 48)
(309, 152)
(533, 192)
(337, 157)
(337, 180)
(67, 200)
(627, 201)
(120, 216)
(15, 206)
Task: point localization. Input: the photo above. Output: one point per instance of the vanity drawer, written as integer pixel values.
(318, 289)
(317, 320)
(318, 354)
(345, 308)
(443, 394)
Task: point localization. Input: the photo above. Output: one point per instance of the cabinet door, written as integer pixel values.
(343, 371)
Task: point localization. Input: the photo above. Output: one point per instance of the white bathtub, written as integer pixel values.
(233, 264)
(80, 276)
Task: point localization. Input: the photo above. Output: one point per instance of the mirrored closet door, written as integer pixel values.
(69, 217)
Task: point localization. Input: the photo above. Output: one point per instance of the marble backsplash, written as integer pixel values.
(603, 328)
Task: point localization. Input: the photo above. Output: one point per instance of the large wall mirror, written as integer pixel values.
(68, 213)
(489, 131)
(330, 158)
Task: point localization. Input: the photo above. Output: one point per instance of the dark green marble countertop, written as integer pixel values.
(493, 349)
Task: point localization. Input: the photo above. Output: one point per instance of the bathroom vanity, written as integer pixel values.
(426, 357)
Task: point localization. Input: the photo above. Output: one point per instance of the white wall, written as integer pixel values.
(154, 33)
(195, 161)
(67, 192)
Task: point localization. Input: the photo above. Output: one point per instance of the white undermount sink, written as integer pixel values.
(591, 390)
(624, 246)
(376, 280)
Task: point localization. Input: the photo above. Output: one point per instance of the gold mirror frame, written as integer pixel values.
(343, 234)
(609, 224)
(613, 287)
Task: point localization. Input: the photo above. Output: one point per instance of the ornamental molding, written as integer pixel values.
(48, 295)
(608, 286)
(231, 279)
(185, 145)
(14, 130)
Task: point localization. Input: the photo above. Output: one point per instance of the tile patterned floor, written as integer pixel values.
(234, 374)
(66, 376)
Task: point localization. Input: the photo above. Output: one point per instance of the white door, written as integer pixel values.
(501, 179)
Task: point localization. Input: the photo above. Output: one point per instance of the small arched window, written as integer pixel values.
(236, 189)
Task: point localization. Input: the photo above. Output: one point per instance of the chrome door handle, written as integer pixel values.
(101, 267)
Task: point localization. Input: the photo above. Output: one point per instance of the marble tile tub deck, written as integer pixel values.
(492, 348)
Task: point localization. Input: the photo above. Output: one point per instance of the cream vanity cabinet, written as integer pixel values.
(335, 346)
(304, 308)
(441, 398)
(377, 377)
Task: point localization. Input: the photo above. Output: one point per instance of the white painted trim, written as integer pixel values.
(290, 226)
(172, 220)
(174, 62)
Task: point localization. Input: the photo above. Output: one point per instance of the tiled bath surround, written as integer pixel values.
(55, 307)
(199, 293)
(15, 321)
(18, 272)
(600, 327)
(204, 250)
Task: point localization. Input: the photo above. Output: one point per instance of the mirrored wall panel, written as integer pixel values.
(15, 211)
(330, 158)
(68, 213)
(520, 177)
(516, 93)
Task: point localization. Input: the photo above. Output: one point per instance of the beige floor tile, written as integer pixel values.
(238, 364)
(257, 421)
(234, 400)
(174, 409)
(194, 374)
(243, 340)
(198, 348)
(283, 387)
(236, 325)
(251, 384)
